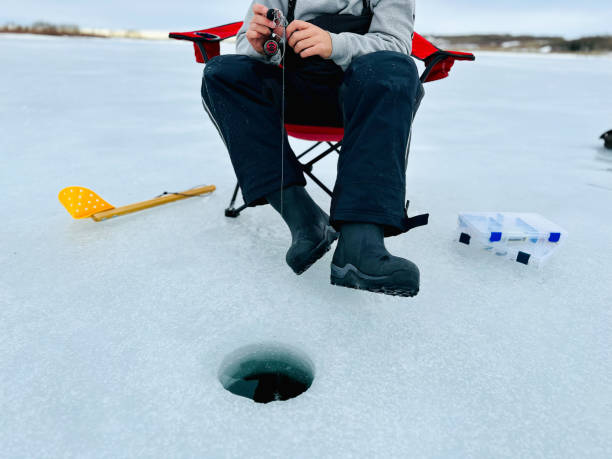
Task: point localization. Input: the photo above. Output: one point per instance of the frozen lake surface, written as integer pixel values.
(112, 333)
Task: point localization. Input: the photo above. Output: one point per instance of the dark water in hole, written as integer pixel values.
(268, 387)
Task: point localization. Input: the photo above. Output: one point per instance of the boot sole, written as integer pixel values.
(321, 249)
(351, 277)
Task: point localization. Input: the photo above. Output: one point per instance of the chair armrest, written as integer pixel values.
(438, 63)
(206, 42)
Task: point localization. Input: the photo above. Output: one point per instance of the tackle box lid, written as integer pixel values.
(504, 226)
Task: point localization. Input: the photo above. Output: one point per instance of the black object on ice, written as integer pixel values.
(361, 261)
(607, 138)
(523, 257)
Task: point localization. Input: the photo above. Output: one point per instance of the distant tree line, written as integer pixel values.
(554, 44)
(45, 28)
(586, 44)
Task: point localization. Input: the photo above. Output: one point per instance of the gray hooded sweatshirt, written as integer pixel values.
(391, 29)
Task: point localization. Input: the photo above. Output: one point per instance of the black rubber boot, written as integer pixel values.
(311, 233)
(361, 261)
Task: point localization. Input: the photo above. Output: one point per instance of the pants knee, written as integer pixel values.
(227, 68)
(383, 71)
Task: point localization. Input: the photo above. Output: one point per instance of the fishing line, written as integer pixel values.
(277, 43)
(283, 123)
(282, 22)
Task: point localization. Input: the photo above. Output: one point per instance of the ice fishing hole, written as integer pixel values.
(267, 372)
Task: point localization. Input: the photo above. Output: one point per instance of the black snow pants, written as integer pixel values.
(375, 101)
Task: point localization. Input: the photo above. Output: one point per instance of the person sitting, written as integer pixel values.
(347, 64)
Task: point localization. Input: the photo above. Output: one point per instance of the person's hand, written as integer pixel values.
(260, 28)
(307, 40)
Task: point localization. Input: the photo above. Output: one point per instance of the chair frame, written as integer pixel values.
(438, 64)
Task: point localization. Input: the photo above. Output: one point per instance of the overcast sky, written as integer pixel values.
(536, 17)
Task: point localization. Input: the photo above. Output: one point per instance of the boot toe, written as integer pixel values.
(306, 251)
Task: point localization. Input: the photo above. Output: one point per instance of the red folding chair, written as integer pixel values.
(206, 43)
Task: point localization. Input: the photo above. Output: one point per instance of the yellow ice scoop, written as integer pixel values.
(81, 202)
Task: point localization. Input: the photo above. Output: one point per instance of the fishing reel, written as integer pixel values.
(276, 44)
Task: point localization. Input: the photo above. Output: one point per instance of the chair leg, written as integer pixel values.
(332, 148)
(408, 148)
(409, 141)
(307, 167)
(231, 211)
(234, 212)
(416, 109)
(309, 150)
(318, 182)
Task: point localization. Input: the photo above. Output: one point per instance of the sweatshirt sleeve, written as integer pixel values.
(242, 44)
(391, 30)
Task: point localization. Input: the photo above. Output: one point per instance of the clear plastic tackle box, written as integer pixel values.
(527, 238)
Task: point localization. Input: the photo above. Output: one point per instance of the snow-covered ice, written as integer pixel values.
(112, 333)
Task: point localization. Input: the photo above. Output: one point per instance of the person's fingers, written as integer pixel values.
(260, 9)
(254, 35)
(315, 50)
(297, 25)
(262, 20)
(305, 44)
(300, 35)
(262, 30)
